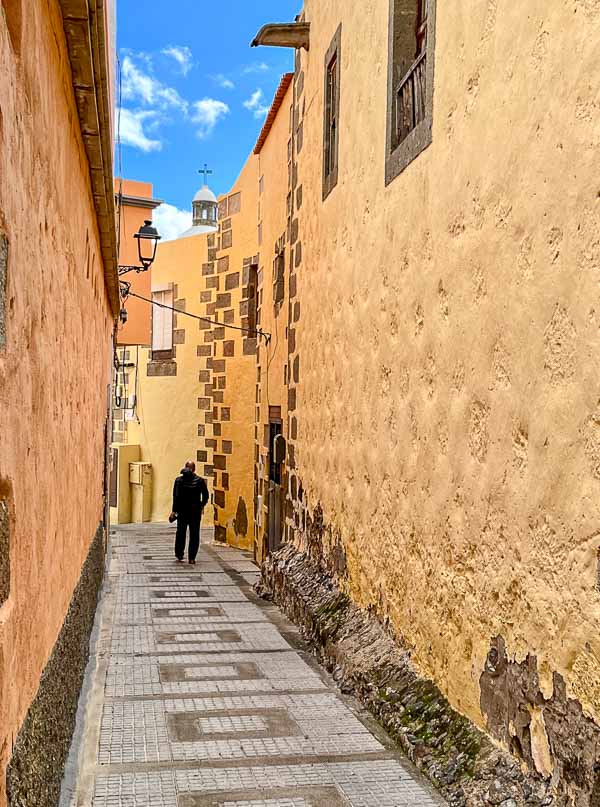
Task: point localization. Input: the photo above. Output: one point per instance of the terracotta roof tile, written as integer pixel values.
(285, 82)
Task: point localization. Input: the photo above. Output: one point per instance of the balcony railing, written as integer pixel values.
(410, 98)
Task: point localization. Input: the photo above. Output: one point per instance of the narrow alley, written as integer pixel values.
(199, 694)
(324, 278)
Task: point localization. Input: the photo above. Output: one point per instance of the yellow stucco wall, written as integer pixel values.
(448, 340)
(272, 359)
(167, 406)
(233, 468)
(200, 405)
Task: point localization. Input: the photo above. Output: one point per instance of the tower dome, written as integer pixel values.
(205, 195)
(204, 211)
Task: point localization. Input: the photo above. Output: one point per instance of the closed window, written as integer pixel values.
(279, 276)
(331, 122)
(162, 323)
(252, 299)
(331, 114)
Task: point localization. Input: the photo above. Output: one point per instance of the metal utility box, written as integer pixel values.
(135, 473)
(140, 480)
(122, 456)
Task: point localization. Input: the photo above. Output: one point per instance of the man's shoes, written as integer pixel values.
(192, 563)
(179, 560)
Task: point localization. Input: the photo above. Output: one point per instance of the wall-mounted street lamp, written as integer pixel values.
(147, 239)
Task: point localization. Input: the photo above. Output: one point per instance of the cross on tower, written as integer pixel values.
(206, 170)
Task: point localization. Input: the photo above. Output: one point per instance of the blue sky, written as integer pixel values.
(193, 91)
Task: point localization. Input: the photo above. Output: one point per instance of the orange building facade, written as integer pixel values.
(58, 303)
(135, 203)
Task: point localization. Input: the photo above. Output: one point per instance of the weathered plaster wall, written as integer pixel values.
(35, 772)
(55, 366)
(448, 392)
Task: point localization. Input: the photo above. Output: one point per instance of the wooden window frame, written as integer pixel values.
(331, 113)
(167, 354)
(409, 130)
(227, 239)
(252, 299)
(279, 276)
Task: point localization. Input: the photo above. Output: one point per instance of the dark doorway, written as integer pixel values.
(274, 496)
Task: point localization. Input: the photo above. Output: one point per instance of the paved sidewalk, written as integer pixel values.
(201, 695)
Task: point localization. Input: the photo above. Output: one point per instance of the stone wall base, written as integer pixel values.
(365, 661)
(35, 771)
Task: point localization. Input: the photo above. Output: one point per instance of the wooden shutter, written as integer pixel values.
(162, 321)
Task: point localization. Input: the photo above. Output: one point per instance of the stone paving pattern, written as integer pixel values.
(203, 696)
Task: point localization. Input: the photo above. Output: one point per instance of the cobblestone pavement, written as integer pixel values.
(201, 695)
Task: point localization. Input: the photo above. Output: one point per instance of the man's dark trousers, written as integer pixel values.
(187, 519)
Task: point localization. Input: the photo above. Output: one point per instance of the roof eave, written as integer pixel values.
(280, 93)
(84, 27)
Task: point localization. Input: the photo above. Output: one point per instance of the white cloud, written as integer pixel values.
(256, 104)
(207, 113)
(182, 55)
(257, 67)
(224, 82)
(135, 83)
(131, 125)
(170, 221)
(155, 102)
(143, 87)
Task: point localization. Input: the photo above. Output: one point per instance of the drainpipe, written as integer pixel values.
(284, 35)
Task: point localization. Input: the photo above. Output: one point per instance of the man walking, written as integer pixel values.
(190, 496)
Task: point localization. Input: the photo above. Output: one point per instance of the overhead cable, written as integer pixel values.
(126, 292)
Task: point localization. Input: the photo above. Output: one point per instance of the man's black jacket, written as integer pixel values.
(190, 493)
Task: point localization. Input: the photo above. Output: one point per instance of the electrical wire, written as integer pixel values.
(135, 391)
(263, 334)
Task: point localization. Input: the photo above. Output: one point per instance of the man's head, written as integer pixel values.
(191, 466)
